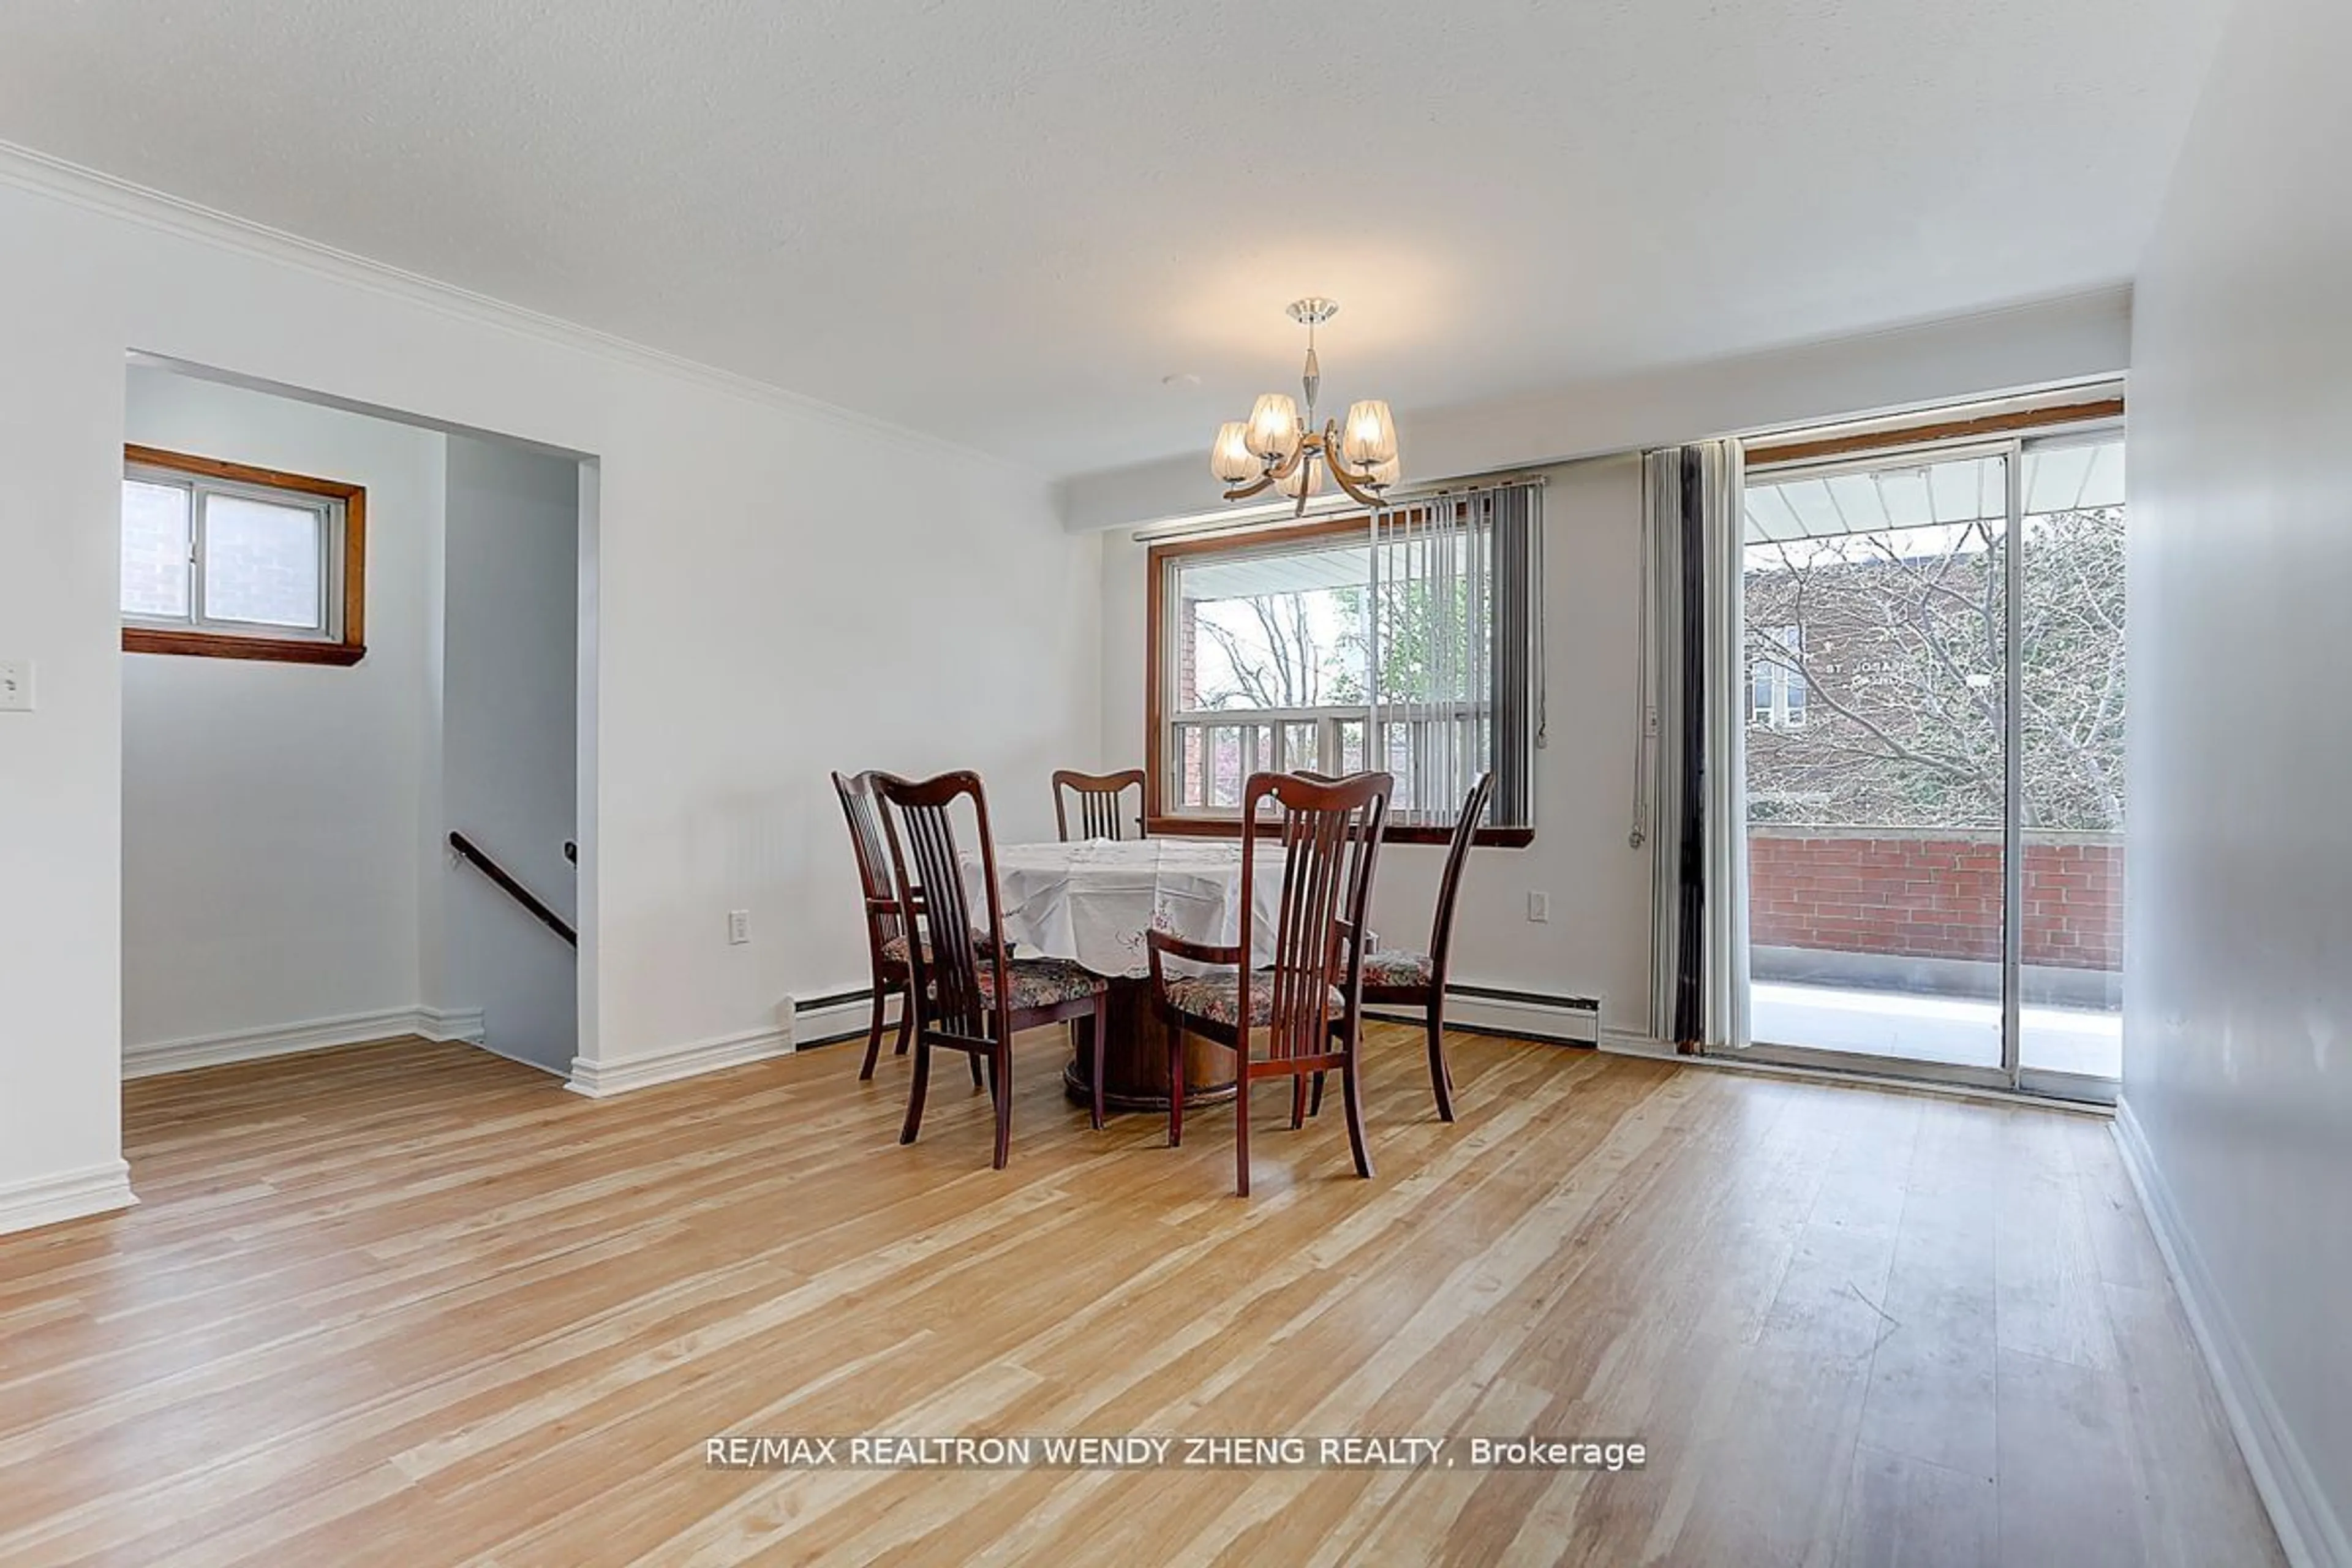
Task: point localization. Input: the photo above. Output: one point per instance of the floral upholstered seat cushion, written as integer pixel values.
(894, 948)
(1042, 982)
(1396, 967)
(1216, 997)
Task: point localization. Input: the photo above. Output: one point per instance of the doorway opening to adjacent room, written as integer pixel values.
(358, 705)
(1933, 712)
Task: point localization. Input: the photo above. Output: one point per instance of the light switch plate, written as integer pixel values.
(15, 686)
(1538, 906)
(738, 927)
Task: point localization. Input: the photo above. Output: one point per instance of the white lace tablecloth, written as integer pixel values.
(1092, 902)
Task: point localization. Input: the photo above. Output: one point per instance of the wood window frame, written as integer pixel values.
(1157, 819)
(347, 648)
(1763, 454)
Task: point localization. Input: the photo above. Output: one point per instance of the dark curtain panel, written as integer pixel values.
(1691, 795)
(1514, 683)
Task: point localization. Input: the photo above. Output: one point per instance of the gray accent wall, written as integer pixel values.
(509, 696)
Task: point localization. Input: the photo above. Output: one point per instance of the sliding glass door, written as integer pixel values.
(1934, 706)
(2070, 802)
(1877, 637)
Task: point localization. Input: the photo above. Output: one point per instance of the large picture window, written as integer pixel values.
(1407, 642)
(226, 561)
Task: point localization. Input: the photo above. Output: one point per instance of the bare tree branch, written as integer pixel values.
(1900, 642)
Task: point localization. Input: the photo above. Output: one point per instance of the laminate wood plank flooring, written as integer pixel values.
(412, 1304)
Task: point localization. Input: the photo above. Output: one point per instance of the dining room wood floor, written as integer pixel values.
(412, 1304)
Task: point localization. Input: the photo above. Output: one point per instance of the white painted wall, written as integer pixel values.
(510, 681)
(270, 811)
(60, 764)
(784, 589)
(2238, 1026)
(1597, 943)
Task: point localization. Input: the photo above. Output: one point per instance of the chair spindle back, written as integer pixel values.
(947, 958)
(866, 842)
(1330, 836)
(1457, 856)
(1100, 814)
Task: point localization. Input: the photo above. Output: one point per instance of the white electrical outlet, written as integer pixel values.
(1538, 906)
(738, 927)
(15, 686)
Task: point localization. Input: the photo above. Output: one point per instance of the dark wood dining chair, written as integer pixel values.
(1098, 795)
(1308, 1005)
(1398, 977)
(887, 930)
(973, 995)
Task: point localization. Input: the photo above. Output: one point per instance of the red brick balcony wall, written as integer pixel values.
(1908, 893)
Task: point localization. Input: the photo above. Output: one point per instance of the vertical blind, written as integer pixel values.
(1689, 738)
(1457, 651)
(1411, 642)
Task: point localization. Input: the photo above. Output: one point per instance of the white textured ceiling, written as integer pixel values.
(1005, 222)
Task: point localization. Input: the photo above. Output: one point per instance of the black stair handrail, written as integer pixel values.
(471, 853)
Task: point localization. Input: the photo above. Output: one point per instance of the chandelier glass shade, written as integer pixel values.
(1279, 448)
(1230, 459)
(1304, 480)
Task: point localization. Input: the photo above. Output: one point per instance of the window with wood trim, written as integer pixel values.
(1406, 642)
(221, 560)
(1777, 679)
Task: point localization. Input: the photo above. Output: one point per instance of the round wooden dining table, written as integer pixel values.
(1092, 902)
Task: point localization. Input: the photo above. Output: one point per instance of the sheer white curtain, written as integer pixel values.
(1722, 525)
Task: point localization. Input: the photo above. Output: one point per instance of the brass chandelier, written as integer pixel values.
(1277, 447)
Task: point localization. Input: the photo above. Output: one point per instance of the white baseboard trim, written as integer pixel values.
(287, 1040)
(2308, 1530)
(463, 1025)
(69, 1195)
(1627, 1043)
(602, 1079)
(1521, 1018)
(484, 1046)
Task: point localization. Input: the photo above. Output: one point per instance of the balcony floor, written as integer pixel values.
(1960, 1030)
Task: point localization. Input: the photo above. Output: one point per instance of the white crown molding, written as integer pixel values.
(157, 1056)
(604, 1079)
(2308, 1530)
(67, 1195)
(93, 190)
